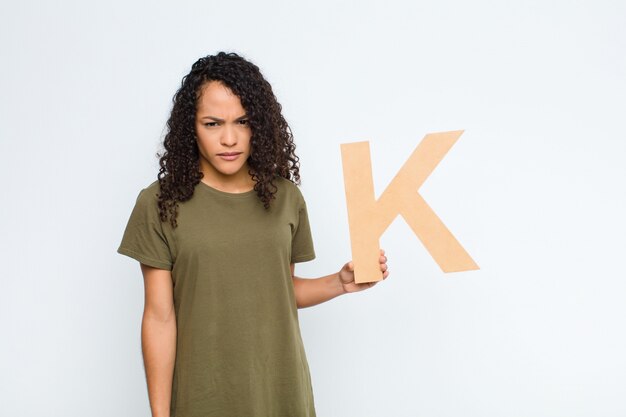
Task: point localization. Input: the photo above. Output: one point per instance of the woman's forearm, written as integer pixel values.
(313, 291)
(158, 340)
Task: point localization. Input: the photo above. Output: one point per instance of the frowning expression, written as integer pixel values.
(223, 134)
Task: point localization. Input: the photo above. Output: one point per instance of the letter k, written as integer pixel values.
(368, 218)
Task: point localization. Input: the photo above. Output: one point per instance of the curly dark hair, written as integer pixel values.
(272, 150)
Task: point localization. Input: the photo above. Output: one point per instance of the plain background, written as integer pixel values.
(534, 190)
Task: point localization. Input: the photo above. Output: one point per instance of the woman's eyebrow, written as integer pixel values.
(217, 119)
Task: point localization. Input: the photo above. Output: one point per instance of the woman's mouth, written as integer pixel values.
(229, 156)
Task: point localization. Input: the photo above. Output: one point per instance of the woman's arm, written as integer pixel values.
(158, 338)
(313, 291)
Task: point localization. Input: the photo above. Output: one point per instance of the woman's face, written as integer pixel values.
(223, 135)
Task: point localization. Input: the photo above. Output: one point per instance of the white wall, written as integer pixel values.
(534, 190)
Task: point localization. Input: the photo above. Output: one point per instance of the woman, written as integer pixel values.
(217, 237)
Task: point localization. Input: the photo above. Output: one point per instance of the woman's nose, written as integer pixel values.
(229, 136)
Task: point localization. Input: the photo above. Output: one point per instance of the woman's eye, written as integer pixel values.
(210, 124)
(244, 121)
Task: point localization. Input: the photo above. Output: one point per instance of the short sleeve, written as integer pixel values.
(302, 242)
(144, 238)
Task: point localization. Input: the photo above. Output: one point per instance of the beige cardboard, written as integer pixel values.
(368, 218)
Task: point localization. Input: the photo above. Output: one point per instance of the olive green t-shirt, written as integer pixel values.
(239, 351)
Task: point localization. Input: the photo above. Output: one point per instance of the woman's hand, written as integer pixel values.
(346, 275)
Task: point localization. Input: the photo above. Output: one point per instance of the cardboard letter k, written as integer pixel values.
(368, 218)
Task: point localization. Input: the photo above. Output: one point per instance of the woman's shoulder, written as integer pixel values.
(153, 188)
(149, 194)
(289, 189)
(146, 209)
(286, 184)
